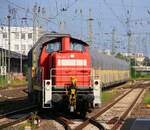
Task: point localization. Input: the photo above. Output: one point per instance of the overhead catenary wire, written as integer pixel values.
(129, 12)
(64, 10)
(22, 8)
(112, 11)
(50, 18)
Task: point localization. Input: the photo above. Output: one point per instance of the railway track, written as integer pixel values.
(112, 116)
(14, 104)
(108, 118)
(17, 116)
(13, 99)
(14, 87)
(13, 94)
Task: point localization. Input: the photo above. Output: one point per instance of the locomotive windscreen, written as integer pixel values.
(53, 47)
(77, 46)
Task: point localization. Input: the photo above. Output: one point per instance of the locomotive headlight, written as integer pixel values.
(96, 82)
(48, 83)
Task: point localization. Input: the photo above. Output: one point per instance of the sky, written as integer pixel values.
(121, 15)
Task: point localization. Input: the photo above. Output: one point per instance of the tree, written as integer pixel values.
(120, 56)
(133, 62)
(146, 61)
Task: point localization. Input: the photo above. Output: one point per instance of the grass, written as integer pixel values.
(27, 124)
(18, 82)
(22, 126)
(139, 75)
(108, 95)
(13, 83)
(142, 77)
(30, 122)
(3, 81)
(147, 98)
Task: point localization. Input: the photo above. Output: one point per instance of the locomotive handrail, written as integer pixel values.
(93, 75)
(65, 75)
(82, 75)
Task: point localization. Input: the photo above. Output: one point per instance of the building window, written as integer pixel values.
(29, 47)
(16, 47)
(4, 35)
(23, 47)
(16, 35)
(22, 35)
(29, 35)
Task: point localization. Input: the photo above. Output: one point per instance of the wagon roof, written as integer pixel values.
(107, 62)
(51, 36)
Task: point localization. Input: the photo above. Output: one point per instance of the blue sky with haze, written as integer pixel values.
(107, 14)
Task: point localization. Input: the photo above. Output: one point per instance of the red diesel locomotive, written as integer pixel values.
(60, 73)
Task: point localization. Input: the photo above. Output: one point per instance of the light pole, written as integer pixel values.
(2, 58)
(113, 41)
(9, 18)
(21, 48)
(4, 64)
(90, 32)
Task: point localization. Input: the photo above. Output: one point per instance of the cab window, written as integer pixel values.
(53, 47)
(77, 46)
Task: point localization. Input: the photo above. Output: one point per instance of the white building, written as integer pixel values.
(107, 52)
(139, 57)
(21, 38)
(132, 54)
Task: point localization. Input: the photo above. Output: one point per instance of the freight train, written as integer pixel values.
(65, 73)
(110, 70)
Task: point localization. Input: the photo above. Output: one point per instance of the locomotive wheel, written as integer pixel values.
(65, 104)
(32, 97)
(36, 98)
(83, 108)
(39, 99)
(83, 114)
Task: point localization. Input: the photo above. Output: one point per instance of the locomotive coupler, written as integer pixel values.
(72, 93)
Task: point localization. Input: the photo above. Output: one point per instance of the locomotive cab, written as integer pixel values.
(66, 64)
(62, 75)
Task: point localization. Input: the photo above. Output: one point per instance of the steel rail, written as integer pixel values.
(90, 120)
(15, 121)
(59, 117)
(64, 122)
(17, 111)
(93, 121)
(21, 119)
(6, 101)
(124, 115)
(18, 87)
